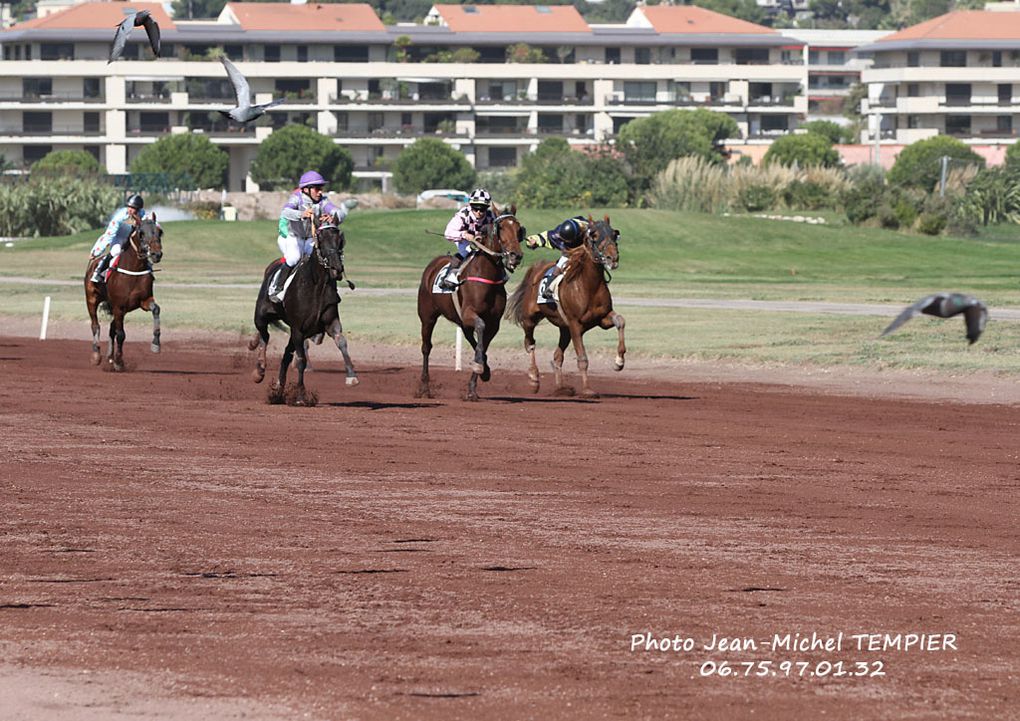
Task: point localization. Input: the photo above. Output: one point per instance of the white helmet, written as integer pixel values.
(480, 197)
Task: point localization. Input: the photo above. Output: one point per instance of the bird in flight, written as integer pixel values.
(143, 18)
(946, 305)
(245, 112)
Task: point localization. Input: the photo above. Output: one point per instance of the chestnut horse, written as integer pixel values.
(477, 304)
(584, 302)
(310, 308)
(128, 286)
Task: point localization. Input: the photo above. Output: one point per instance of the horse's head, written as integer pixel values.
(603, 240)
(329, 246)
(150, 239)
(505, 237)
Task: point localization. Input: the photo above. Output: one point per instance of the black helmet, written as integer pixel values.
(136, 202)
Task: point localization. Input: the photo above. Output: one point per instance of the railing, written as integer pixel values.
(148, 98)
(49, 99)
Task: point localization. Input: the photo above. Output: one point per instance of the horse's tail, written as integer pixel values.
(515, 303)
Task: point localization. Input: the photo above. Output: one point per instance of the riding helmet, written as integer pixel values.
(480, 198)
(311, 179)
(136, 202)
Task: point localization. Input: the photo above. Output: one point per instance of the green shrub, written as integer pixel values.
(808, 195)
(887, 217)
(931, 223)
(67, 162)
(919, 165)
(33, 209)
(557, 176)
(825, 128)
(189, 161)
(756, 198)
(906, 211)
(805, 150)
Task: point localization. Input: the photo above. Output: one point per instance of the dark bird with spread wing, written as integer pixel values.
(946, 305)
(140, 18)
(245, 112)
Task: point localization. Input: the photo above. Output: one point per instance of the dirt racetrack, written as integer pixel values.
(175, 548)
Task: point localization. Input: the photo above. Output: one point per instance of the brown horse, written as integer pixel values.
(584, 302)
(129, 286)
(477, 304)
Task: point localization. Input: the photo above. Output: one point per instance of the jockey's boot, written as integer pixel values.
(275, 289)
(98, 275)
(449, 281)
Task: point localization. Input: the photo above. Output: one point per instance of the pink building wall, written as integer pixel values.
(863, 154)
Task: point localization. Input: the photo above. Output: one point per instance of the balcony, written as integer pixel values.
(48, 130)
(49, 99)
(139, 98)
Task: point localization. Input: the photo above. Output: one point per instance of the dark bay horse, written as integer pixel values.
(128, 286)
(478, 303)
(310, 308)
(585, 302)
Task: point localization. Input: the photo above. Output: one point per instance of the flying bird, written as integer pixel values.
(946, 305)
(245, 112)
(140, 18)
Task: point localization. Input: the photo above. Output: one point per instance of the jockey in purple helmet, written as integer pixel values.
(295, 237)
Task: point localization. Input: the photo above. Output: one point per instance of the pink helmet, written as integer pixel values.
(311, 179)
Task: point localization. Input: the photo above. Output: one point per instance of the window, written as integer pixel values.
(639, 91)
(837, 57)
(581, 123)
(35, 122)
(705, 56)
(35, 153)
(550, 90)
(682, 90)
(752, 56)
(643, 56)
(550, 123)
(93, 150)
(90, 88)
(716, 90)
(814, 57)
(342, 121)
(957, 125)
(913, 90)
(55, 51)
(271, 54)
(233, 52)
(502, 157)
(294, 88)
(154, 122)
(28, 52)
(774, 123)
(958, 93)
(1005, 93)
(375, 121)
(90, 122)
(613, 56)
(618, 123)
(350, 53)
(953, 58)
(996, 58)
(1004, 123)
(34, 88)
(913, 122)
(302, 53)
(913, 59)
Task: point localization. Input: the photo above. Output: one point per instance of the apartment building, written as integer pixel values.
(377, 88)
(957, 74)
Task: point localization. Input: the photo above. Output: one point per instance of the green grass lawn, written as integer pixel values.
(663, 254)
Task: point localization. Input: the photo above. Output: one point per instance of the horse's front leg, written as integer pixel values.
(150, 304)
(117, 339)
(276, 392)
(302, 363)
(615, 320)
(336, 332)
(94, 319)
(577, 336)
(529, 348)
(428, 324)
(476, 330)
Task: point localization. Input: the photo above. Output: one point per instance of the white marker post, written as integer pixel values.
(459, 346)
(45, 318)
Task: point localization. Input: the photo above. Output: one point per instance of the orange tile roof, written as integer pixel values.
(963, 25)
(96, 16)
(349, 17)
(513, 18)
(693, 19)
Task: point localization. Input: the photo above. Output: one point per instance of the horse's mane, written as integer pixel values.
(576, 261)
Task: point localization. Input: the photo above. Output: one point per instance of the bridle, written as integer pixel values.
(493, 237)
(140, 243)
(320, 256)
(596, 242)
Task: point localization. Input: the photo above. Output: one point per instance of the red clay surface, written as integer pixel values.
(174, 547)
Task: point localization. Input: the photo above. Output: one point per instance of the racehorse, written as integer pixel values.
(310, 307)
(477, 304)
(584, 302)
(128, 286)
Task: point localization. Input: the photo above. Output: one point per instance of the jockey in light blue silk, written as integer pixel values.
(467, 224)
(306, 203)
(118, 230)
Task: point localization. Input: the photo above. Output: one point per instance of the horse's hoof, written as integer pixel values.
(118, 367)
(589, 393)
(155, 347)
(258, 375)
(352, 381)
(423, 392)
(486, 374)
(471, 397)
(618, 364)
(564, 391)
(96, 359)
(477, 368)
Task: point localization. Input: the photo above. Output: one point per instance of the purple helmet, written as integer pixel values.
(311, 179)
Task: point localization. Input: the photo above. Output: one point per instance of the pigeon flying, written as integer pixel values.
(143, 18)
(946, 305)
(245, 112)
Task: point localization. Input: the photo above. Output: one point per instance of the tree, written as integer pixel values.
(431, 163)
(826, 128)
(919, 165)
(294, 149)
(193, 9)
(68, 162)
(650, 143)
(524, 53)
(806, 150)
(1013, 157)
(189, 161)
(555, 176)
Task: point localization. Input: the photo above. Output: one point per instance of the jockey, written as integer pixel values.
(466, 225)
(295, 228)
(566, 236)
(122, 222)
